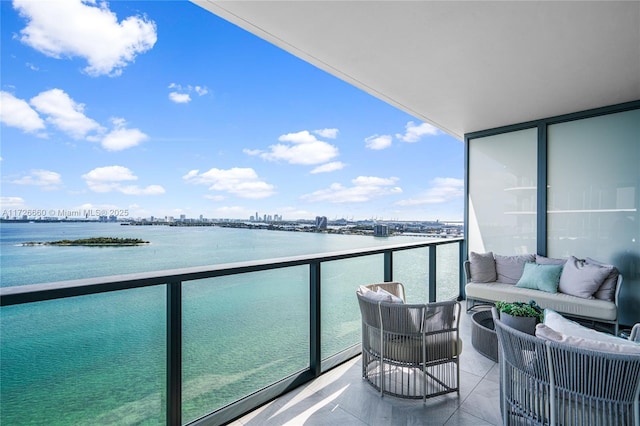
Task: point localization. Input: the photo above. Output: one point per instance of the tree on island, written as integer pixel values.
(96, 241)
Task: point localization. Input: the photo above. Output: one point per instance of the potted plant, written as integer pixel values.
(520, 315)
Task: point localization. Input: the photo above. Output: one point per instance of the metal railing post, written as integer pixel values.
(174, 354)
(315, 318)
(432, 273)
(388, 266)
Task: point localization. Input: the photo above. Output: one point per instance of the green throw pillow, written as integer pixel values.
(540, 277)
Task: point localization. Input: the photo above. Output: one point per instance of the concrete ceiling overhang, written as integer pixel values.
(462, 66)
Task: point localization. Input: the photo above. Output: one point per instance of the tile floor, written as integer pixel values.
(341, 397)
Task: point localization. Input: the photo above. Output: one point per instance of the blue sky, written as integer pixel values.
(162, 108)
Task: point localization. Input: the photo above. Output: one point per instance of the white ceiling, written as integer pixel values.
(462, 66)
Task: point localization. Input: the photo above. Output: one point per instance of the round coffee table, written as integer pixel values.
(483, 334)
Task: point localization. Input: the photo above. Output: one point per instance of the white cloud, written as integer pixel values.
(363, 189)
(441, 190)
(327, 133)
(122, 138)
(252, 151)
(329, 167)
(306, 154)
(243, 182)
(64, 113)
(414, 133)
(69, 117)
(46, 179)
(200, 90)
(16, 112)
(377, 142)
(304, 149)
(180, 98)
(299, 137)
(76, 28)
(110, 178)
(182, 94)
(11, 202)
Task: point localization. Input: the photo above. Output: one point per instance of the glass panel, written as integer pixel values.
(96, 359)
(448, 271)
(502, 193)
(593, 196)
(340, 313)
(242, 333)
(411, 268)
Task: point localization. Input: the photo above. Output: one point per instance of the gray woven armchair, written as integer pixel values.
(550, 383)
(410, 350)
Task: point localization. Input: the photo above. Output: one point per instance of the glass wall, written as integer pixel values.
(240, 334)
(340, 321)
(502, 193)
(98, 359)
(593, 191)
(411, 268)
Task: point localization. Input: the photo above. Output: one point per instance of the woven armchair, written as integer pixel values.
(410, 350)
(550, 383)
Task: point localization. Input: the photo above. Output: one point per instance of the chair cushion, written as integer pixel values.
(559, 302)
(408, 349)
(483, 267)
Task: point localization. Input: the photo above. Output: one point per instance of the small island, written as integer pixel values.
(92, 242)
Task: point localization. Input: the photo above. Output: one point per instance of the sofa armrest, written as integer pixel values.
(467, 270)
(617, 293)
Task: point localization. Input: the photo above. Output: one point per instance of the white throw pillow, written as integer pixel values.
(378, 296)
(390, 296)
(566, 327)
(620, 346)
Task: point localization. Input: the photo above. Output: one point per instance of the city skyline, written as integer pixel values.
(164, 109)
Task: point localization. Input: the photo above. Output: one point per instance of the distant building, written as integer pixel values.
(380, 230)
(321, 222)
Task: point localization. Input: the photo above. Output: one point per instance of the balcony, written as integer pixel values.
(132, 350)
(341, 397)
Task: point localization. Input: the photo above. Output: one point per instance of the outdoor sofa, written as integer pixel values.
(582, 289)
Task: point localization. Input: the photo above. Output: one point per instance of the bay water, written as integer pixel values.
(100, 359)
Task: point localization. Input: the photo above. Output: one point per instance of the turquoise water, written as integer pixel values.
(100, 359)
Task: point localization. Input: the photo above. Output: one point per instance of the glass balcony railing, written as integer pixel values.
(196, 345)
